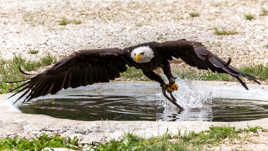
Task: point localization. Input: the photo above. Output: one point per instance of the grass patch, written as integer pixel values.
(264, 12)
(134, 143)
(205, 76)
(77, 22)
(33, 52)
(39, 143)
(214, 135)
(48, 60)
(224, 32)
(9, 70)
(187, 141)
(64, 21)
(255, 130)
(249, 17)
(193, 14)
(139, 24)
(211, 76)
(259, 71)
(133, 73)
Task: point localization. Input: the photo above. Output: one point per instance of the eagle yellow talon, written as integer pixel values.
(169, 89)
(172, 87)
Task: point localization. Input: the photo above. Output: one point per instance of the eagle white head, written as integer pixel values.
(142, 54)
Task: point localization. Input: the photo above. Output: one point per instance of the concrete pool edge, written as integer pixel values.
(13, 123)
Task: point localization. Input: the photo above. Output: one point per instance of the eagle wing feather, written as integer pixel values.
(196, 54)
(82, 68)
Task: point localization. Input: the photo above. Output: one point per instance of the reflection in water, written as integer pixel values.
(239, 110)
(97, 108)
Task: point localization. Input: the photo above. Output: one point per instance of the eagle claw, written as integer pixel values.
(172, 87)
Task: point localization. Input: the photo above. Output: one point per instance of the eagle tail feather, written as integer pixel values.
(225, 67)
(23, 72)
(242, 82)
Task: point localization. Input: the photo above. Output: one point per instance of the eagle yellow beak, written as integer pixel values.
(138, 57)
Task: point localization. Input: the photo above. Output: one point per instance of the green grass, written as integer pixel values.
(182, 142)
(255, 129)
(187, 141)
(224, 32)
(212, 136)
(205, 76)
(77, 22)
(9, 70)
(134, 74)
(211, 76)
(134, 143)
(33, 52)
(139, 24)
(194, 14)
(64, 21)
(39, 143)
(259, 71)
(249, 17)
(48, 60)
(264, 12)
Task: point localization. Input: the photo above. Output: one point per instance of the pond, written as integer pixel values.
(144, 101)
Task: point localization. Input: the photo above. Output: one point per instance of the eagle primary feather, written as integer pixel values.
(81, 68)
(87, 67)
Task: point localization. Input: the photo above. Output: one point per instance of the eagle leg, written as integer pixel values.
(172, 86)
(156, 77)
(153, 76)
(172, 99)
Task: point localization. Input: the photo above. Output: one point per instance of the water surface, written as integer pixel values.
(143, 101)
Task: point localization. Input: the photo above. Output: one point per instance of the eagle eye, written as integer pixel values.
(142, 53)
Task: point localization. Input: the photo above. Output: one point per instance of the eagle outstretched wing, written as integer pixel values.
(81, 68)
(87, 67)
(196, 54)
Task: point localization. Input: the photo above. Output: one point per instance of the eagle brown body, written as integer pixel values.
(87, 67)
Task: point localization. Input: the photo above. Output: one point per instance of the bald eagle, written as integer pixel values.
(87, 67)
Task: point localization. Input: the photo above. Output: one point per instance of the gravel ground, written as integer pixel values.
(34, 25)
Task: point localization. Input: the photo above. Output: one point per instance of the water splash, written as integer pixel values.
(6, 105)
(188, 96)
(196, 103)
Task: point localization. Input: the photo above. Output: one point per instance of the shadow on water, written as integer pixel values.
(139, 101)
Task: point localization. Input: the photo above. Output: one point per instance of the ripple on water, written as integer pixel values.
(143, 101)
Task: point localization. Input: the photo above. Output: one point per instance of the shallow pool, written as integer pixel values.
(144, 101)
